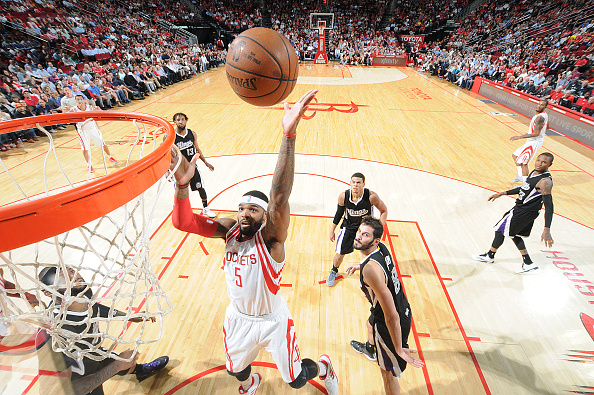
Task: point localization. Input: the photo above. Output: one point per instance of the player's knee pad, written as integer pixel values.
(519, 243)
(243, 375)
(498, 240)
(309, 370)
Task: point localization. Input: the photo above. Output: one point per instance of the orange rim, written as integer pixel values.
(28, 222)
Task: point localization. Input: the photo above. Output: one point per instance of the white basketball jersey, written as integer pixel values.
(253, 277)
(543, 132)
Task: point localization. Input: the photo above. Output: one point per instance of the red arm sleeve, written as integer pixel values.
(186, 220)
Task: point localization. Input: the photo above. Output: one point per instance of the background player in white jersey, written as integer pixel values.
(88, 131)
(185, 139)
(517, 222)
(257, 317)
(538, 128)
(391, 317)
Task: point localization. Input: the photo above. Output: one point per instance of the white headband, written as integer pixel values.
(254, 200)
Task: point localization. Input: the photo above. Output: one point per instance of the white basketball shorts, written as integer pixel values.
(526, 152)
(88, 131)
(244, 336)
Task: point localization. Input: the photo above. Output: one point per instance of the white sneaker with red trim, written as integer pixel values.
(330, 379)
(256, 380)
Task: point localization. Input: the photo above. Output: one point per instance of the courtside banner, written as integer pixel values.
(569, 123)
(409, 38)
(389, 60)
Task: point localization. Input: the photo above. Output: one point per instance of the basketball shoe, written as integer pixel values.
(519, 179)
(256, 380)
(330, 379)
(483, 258)
(331, 278)
(206, 211)
(527, 268)
(146, 369)
(113, 160)
(361, 348)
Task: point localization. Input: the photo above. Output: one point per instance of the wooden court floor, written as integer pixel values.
(434, 154)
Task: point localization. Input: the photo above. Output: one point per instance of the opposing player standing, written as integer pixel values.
(257, 316)
(185, 139)
(390, 319)
(517, 222)
(354, 204)
(538, 128)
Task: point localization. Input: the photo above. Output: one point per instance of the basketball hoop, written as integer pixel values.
(95, 233)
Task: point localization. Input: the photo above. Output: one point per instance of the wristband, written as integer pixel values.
(290, 136)
(183, 186)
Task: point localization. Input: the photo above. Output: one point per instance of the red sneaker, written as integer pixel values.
(113, 160)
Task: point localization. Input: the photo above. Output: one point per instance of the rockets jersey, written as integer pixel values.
(529, 199)
(354, 212)
(543, 132)
(253, 277)
(186, 144)
(382, 256)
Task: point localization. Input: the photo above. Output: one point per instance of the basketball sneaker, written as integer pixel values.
(112, 159)
(331, 278)
(91, 170)
(483, 258)
(527, 268)
(146, 369)
(361, 348)
(518, 179)
(256, 380)
(206, 211)
(330, 379)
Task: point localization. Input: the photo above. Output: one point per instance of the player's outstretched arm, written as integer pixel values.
(546, 186)
(183, 218)
(374, 276)
(538, 125)
(200, 154)
(278, 218)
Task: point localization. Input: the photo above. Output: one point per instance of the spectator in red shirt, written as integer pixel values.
(588, 109)
(30, 99)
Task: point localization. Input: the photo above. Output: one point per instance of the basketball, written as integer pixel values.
(261, 66)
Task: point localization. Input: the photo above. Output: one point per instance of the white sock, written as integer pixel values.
(323, 368)
(519, 171)
(246, 384)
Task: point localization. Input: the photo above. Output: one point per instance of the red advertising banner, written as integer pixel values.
(409, 38)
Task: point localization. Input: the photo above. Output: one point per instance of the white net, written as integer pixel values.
(100, 292)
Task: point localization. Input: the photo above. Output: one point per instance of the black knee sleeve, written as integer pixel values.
(519, 242)
(498, 240)
(243, 375)
(309, 370)
(202, 193)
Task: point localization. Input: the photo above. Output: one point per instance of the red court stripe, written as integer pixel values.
(405, 276)
(412, 322)
(203, 248)
(474, 339)
(324, 281)
(287, 285)
(423, 334)
(446, 278)
(31, 385)
(447, 295)
(180, 276)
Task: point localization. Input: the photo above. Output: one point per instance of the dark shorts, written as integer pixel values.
(196, 181)
(344, 242)
(387, 359)
(516, 223)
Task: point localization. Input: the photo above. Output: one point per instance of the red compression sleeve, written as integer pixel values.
(185, 220)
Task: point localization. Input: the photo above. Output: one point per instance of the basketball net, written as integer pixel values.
(102, 263)
(321, 55)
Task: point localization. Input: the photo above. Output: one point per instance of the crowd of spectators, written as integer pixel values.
(537, 48)
(106, 53)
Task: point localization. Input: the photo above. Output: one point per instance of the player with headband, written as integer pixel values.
(257, 316)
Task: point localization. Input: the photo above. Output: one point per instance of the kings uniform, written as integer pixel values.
(387, 358)
(519, 220)
(354, 212)
(187, 147)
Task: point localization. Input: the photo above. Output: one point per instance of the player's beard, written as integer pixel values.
(362, 247)
(252, 229)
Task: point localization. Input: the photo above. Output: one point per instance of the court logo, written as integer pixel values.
(315, 107)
